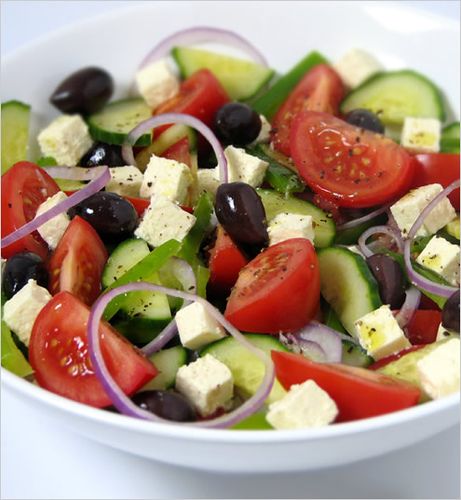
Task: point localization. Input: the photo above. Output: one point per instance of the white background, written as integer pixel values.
(42, 461)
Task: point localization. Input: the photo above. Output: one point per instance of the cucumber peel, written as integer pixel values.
(449, 142)
(15, 133)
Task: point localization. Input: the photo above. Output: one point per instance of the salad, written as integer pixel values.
(229, 247)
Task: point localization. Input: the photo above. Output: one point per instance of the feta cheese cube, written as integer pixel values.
(208, 181)
(442, 257)
(20, 312)
(53, 230)
(125, 181)
(157, 83)
(285, 226)
(197, 327)
(66, 139)
(167, 178)
(305, 405)
(244, 167)
(406, 210)
(444, 334)
(379, 333)
(439, 370)
(265, 132)
(421, 135)
(206, 383)
(356, 66)
(163, 220)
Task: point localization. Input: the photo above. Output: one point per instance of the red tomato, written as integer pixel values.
(441, 168)
(226, 261)
(422, 329)
(358, 393)
(24, 187)
(352, 166)
(58, 353)
(78, 261)
(140, 204)
(321, 89)
(393, 357)
(179, 151)
(279, 290)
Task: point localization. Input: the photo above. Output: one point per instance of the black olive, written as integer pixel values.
(390, 278)
(166, 404)
(240, 211)
(450, 313)
(237, 124)
(365, 119)
(103, 154)
(113, 217)
(85, 91)
(21, 268)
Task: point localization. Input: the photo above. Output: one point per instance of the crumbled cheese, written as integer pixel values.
(125, 181)
(208, 181)
(243, 167)
(356, 66)
(421, 135)
(442, 257)
(53, 230)
(285, 226)
(265, 132)
(443, 333)
(157, 83)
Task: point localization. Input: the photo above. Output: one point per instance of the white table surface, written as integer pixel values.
(39, 460)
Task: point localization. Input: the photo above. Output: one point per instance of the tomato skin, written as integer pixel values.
(351, 166)
(441, 168)
(140, 204)
(77, 263)
(179, 151)
(321, 89)
(357, 392)
(24, 187)
(58, 353)
(277, 291)
(423, 326)
(393, 357)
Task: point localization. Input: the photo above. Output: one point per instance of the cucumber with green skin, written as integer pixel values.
(355, 355)
(449, 142)
(15, 133)
(167, 362)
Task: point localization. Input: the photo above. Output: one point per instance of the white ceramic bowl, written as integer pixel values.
(400, 36)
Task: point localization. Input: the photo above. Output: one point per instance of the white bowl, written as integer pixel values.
(400, 36)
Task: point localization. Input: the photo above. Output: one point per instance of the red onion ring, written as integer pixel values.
(418, 280)
(167, 119)
(409, 307)
(124, 404)
(306, 348)
(202, 34)
(99, 177)
(361, 220)
(378, 230)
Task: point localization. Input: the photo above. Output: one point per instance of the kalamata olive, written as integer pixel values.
(450, 313)
(365, 119)
(390, 278)
(113, 217)
(103, 154)
(241, 213)
(85, 91)
(21, 268)
(236, 123)
(166, 404)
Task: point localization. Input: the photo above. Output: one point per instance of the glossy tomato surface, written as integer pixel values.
(423, 326)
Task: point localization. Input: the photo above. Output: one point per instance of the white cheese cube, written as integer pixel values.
(157, 83)
(356, 66)
(407, 210)
(167, 178)
(421, 135)
(53, 230)
(379, 333)
(439, 370)
(305, 405)
(208, 181)
(243, 167)
(442, 257)
(285, 226)
(197, 327)
(66, 139)
(163, 220)
(125, 181)
(265, 132)
(20, 312)
(444, 334)
(206, 383)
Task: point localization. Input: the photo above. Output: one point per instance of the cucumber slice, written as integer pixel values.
(246, 368)
(12, 358)
(15, 133)
(355, 355)
(347, 285)
(394, 95)
(452, 228)
(255, 422)
(275, 203)
(167, 362)
(139, 331)
(449, 142)
(116, 120)
(241, 79)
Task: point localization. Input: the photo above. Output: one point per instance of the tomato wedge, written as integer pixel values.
(351, 166)
(78, 261)
(278, 291)
(423, 326)
(179, 151)
(358, 393)
(321, 89)
(58, 353)
(24, 187)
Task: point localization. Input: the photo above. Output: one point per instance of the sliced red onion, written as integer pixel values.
(327, 338)
(99, 177)
(361, 220)
(409, 307)
(124, 404)
(71, 173)
(378, 230)
(418, 280)
(172, 118)
(307, 348)
(203, 34)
